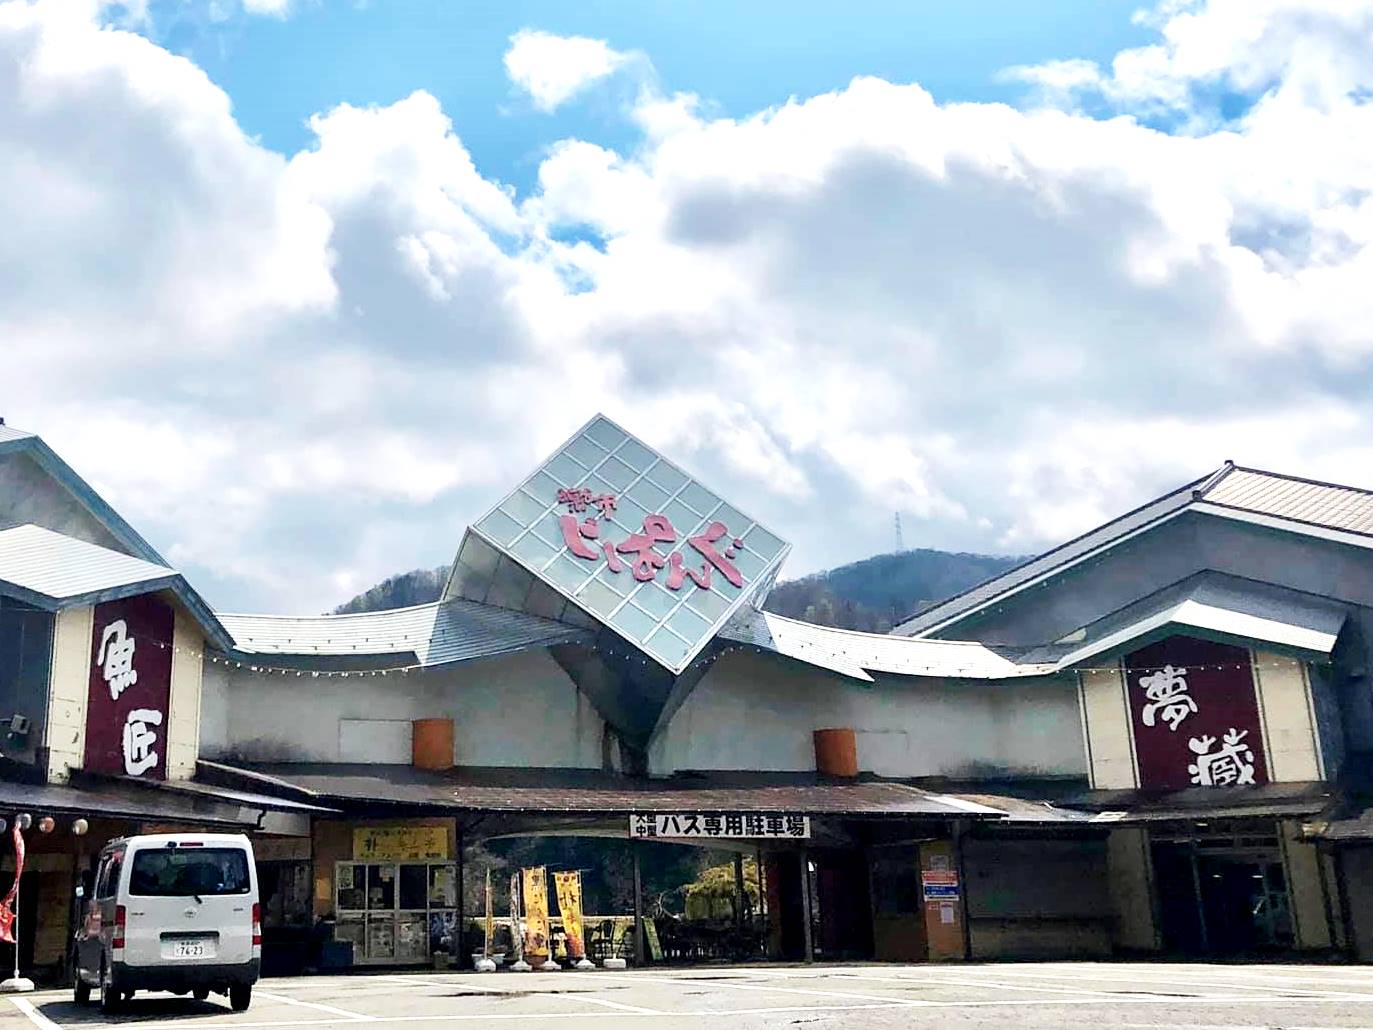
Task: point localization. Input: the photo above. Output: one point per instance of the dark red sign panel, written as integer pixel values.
(130, 688)
(1195, 714)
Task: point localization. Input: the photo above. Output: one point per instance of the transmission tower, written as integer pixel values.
(900, 543)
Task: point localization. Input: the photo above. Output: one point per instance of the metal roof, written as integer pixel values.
(1218, 606)
(9, 433)
(1298, 505)
(435, 634)
(592, 791)
(61, 570)
(857, 654)
(1304, 500)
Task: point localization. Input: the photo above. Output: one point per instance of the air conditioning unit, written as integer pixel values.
(18, 725)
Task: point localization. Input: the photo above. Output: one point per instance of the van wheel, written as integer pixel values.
(81, 990)
(240, 995)
(200, 993)
(111, 999)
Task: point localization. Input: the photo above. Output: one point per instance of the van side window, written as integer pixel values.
(108, 884)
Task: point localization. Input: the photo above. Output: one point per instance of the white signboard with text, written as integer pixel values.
(724, 825)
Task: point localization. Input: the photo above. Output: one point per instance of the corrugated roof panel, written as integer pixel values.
(1321, 504)
(8, 433)
(857, 654)
(61, 567)
(436, 634)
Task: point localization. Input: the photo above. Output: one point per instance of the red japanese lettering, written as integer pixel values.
(647, 561)
(705, 544)
(679, 573)
(576, 533)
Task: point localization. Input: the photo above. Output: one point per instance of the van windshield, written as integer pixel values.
(181, 872)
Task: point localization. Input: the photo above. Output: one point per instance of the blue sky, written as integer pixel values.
(738, 57)
(1009, 308)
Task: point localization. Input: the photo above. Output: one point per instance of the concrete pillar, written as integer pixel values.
(640, 945)
(461, 957)
(807, 906)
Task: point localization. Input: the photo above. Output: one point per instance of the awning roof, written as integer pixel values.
(576, 791)
(1200, 804)
(433, 634)
(53, 571)
(1219, 607)
(151, 801)
(857, 654)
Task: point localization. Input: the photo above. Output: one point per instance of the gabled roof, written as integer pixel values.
(1217, 607)
(17, 441)
(53, 571)
(1252, 495)
(61, 570)
(429, 634)
(856, 654)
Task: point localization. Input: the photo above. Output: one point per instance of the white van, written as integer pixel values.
(171, 912)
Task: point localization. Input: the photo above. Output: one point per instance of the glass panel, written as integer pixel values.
(352, 930)
(585, 451)
(414, 887)
(605, 434)
(523, 508)
(381, 887)
(352, 888)
(700, 498)
(617, 473)
(443, 886)
(443, 927)
(381, 936)
(500, 527)
(412, 936)
(635, 455)
(667, 477)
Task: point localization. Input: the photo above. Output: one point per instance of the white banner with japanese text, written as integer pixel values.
(724, 825)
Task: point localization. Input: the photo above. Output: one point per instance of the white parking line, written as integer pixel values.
(766, 988)
(952, 982)
(35, 1017)
(356, 1017)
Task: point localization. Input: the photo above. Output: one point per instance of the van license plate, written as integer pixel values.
(189, 949)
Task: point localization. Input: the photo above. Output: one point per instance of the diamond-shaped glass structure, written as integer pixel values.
(596, 492)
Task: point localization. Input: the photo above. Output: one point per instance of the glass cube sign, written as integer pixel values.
(635, 542)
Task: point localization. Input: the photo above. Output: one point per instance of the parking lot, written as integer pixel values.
(1022, 995)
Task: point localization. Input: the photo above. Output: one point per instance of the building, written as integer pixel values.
(1151, 739)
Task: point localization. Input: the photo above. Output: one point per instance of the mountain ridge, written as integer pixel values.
(872, 594)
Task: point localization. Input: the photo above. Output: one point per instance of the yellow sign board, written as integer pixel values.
(536, 942)
(569, 889)
(400, 844)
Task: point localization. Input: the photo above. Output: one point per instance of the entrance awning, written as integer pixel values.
(1199, 804)
(592, 792)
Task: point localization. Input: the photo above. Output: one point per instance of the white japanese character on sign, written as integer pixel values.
(116, 658)
(1167, 694)
(139, 740)
(1231, 764)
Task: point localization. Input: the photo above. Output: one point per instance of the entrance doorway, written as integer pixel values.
(1223, 896)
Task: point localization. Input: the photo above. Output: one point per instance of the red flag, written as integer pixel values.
(11, 902)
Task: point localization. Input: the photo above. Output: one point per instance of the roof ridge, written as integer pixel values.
(338, 615)
(866, 633)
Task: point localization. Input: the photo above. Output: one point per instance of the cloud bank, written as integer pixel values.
(300, 373)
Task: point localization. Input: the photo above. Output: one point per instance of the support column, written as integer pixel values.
(640, 947)
(461, 957)
(807, 906)
(740, 894)
(1201, 908)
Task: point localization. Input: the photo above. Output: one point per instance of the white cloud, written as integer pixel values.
(272, 8)
(553, 69)
(297, 372)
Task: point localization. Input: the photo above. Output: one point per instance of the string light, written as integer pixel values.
(708, 659)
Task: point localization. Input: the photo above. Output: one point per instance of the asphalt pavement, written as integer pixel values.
(1099, 995)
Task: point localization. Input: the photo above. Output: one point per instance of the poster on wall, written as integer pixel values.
(1195, 713)
(129, 700)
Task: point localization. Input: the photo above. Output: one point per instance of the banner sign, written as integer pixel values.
(516, 934)
(10, 905)
(939, 884)
(724, 825)
(130, 688)
(569, 889)
(1195, 713)
(536, 914)
(400, 844)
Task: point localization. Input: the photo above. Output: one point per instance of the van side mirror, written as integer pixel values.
(80, 892)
